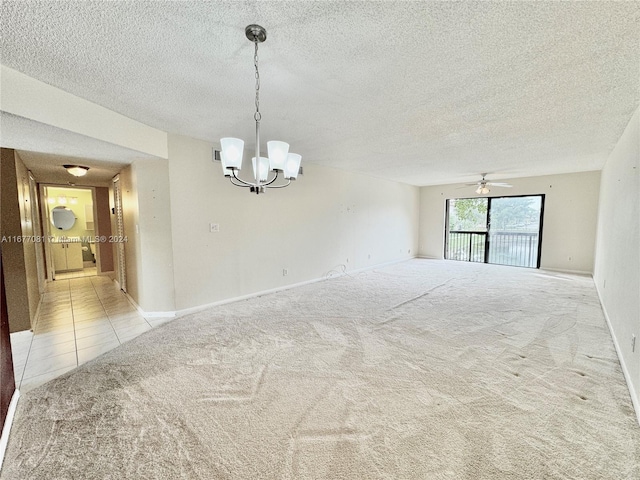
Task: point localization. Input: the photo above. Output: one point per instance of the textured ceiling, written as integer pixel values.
(419, 92)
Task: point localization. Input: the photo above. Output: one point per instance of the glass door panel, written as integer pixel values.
(467, 229)
(514, 231)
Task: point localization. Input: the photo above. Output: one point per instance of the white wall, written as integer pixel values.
(571, 207)
(617, 263)
(147, 227)
(327, 218)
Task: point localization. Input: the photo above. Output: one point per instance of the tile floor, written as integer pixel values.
(79, 319)
(85, 272)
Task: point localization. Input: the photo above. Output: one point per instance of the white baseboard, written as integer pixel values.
(572, 272)
(186, 311)
(37, 314)
(328, 276)
(635, 401)
(6, 429)
(148, 314)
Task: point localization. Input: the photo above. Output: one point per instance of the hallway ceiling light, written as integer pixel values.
(76, 170)
(279, 159)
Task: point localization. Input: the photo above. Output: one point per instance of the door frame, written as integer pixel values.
(46, 223)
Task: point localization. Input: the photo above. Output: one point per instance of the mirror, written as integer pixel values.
(63, 218)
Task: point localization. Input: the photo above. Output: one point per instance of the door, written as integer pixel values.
(74, 256)
(37, 231)
(498, 230)
(515, 230)
(7, 380)
(59, 254)
(117, 200)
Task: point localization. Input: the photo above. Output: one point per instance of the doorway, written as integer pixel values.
(497, 230)
(71, 231)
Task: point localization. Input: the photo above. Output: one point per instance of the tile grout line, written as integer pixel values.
(26, 362)
(126, 297)
(73, 322)
(105, 312)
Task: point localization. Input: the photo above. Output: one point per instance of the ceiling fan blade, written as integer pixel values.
(500, 184)
(472, 184)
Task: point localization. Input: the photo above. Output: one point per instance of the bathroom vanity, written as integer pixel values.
(66, 256)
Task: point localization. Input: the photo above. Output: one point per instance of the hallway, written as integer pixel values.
(79, 320)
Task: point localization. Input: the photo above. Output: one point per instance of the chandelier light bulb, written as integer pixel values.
(278, 152)
(264, 168)
(292, 167)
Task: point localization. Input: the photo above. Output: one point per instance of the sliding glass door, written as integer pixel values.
(499, 230)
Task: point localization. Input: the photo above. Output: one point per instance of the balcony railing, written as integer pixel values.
(505, 248)
(466, 246)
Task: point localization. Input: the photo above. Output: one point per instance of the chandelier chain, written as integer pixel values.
(258, 115)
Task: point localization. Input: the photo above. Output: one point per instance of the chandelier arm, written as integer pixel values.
(281, 186)
(238, 184)
(271, 181)
(244, 184)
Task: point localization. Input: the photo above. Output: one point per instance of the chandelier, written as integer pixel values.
(279, 161)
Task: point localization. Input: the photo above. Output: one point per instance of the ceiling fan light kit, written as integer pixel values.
(279, 160)
(483, 185)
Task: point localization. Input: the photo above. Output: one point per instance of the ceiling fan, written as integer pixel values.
(483, 185)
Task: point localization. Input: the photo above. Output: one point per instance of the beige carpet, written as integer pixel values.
(422, 370)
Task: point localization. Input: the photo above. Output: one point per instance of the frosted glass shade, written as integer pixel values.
(278, 152)
(231, 153)
(264, 168)
(292, 166)
(77, 171)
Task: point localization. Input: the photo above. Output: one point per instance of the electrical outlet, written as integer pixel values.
(214, 227)
(285, 272)
(633, 343)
